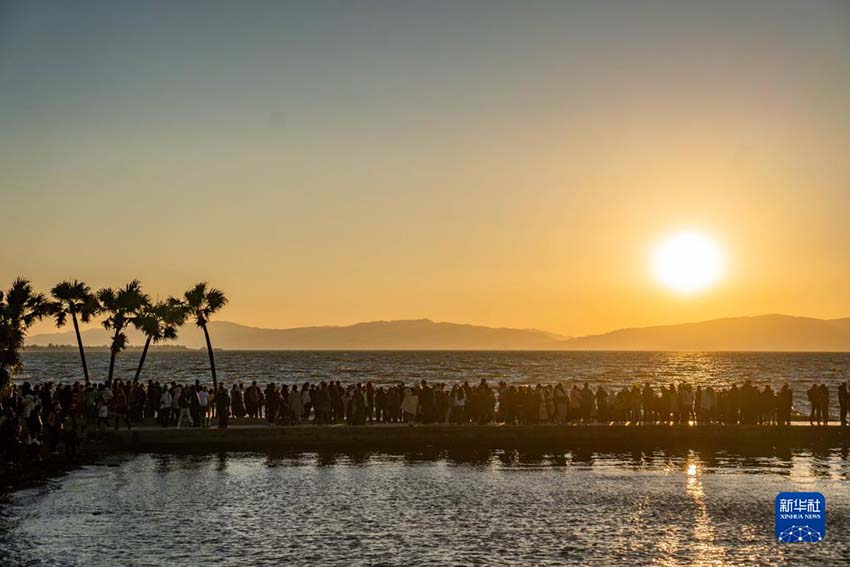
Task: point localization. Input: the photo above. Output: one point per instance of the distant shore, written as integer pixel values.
(104, 348)
(762, 333)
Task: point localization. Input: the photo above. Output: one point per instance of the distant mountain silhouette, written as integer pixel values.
(761, 333)
(420, 334)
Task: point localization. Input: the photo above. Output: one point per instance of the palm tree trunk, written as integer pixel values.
(142, 360)
(111, 364)
(112, 353)
(80, 344)
(212, 357)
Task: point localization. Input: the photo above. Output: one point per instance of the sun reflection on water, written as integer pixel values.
(707, 552)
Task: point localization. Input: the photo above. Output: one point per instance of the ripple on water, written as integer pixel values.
(610, 369)
(503, 507)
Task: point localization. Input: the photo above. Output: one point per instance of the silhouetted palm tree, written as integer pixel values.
(203, 302)
(123, 307)
(20, 307)
(77, 300)
(159, 322)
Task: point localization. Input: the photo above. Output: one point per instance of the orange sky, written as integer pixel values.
(510, 166)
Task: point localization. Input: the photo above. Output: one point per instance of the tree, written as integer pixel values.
(20, 307)
(123, 307)
(159, 322)
(76, 299)
(202, 301)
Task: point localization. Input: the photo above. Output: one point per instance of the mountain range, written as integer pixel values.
(419, 334)
(759, 333)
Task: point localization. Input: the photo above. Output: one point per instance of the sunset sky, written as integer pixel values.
(498, 163)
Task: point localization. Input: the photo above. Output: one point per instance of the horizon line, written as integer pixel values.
(559, 336)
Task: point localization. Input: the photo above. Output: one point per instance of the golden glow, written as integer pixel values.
(327, 186)
(710, 553)
(688, 262)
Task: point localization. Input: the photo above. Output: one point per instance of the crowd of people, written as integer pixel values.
(333, 402)
(42, 418)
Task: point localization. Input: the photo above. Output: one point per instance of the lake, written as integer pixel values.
(436, 508)
(490, 508)
(612, 370)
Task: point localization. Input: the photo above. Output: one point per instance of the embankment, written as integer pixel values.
(530, 437)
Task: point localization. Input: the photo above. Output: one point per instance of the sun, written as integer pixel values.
(688, 263)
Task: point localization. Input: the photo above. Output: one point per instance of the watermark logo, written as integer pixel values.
(800, 517)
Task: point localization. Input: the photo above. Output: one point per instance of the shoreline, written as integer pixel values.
(412, 437)
(19, 476)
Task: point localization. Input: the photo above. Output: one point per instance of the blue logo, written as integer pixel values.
(800, 517)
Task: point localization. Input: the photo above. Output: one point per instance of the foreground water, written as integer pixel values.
(609, 369)
(438, 509)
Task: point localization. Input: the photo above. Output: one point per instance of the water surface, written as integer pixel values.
(612, 370)
(430, 508)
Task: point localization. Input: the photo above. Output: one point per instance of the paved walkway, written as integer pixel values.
(262, 424)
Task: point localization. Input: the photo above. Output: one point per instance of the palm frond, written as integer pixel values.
(202, 301)
(60, 315)
(215, 300)
(20, 307)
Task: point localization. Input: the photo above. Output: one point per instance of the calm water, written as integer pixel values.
(610, 369)
(492, 508)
